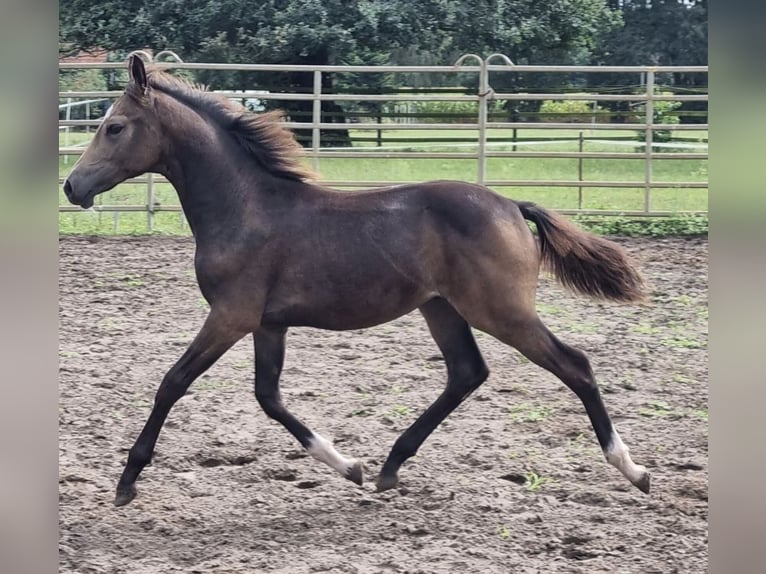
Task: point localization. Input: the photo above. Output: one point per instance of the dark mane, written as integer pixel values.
(263, 136)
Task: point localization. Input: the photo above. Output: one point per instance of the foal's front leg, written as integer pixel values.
(213, 340)
(269, 357)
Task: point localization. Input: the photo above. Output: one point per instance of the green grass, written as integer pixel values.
(415, 169)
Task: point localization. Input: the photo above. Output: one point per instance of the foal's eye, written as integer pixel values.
(114, 129)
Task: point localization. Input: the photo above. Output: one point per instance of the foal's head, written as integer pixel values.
(126, 144)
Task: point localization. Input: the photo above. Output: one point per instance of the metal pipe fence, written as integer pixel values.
(480, 147)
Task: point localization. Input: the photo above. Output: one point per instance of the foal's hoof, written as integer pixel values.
(354, 474)
(124, 494)
(386, 482)
(643, 482)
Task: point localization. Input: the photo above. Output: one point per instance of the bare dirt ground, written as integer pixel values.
(512, 482)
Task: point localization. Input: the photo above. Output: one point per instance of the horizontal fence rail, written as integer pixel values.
(391, 126)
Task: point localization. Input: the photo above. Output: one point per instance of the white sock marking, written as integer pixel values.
(618, 456)
(323, 450)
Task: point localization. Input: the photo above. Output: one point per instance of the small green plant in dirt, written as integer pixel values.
(588, 327)
(68, 354)
(128, 280)
(108, 323)
(551, 310)
(140, 403)
(679, 341)
(644, 329)
(181, 337)
(533, 481)
(656, 409)
(206, 384)
(663, 409)
(684, 300)
(132, 281)
(530, 454)
(526, 412)
(627, 383)
(579, 446)
(682, 379)
(521, 358)
(578, 442)
(503, 532)
(700, 414)
(401, 411)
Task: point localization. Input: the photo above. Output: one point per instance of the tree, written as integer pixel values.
(327, 32)
(313, 32)
(659, 33)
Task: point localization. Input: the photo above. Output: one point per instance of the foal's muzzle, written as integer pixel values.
(85, 201)
(68, 190)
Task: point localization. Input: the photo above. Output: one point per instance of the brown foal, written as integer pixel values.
(276, 251)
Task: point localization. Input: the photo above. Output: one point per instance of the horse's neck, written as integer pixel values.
(215, 194)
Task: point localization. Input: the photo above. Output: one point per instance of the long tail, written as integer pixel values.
(583, 262)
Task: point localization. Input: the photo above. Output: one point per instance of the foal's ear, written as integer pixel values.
(137, 72)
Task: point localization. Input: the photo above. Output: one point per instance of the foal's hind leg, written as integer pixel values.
(570, 365)
(466, 370)
(213, 340)
(269, 356)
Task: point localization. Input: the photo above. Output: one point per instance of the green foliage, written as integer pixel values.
(663, 112)
(81, 81)
(656, 33)
(337, 32)
(397, 32)
(659, 34)
(446, 112)
(684, 225)
(574, 111)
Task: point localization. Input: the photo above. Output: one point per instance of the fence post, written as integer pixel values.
(483, 93)
(316, 118)
(649, 137)
(580, 148)
(150, 202)
(66, 130)
(482, 120)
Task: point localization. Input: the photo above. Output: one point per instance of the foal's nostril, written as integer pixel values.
(68, 189)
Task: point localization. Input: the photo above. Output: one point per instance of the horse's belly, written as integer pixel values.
(339, 308)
